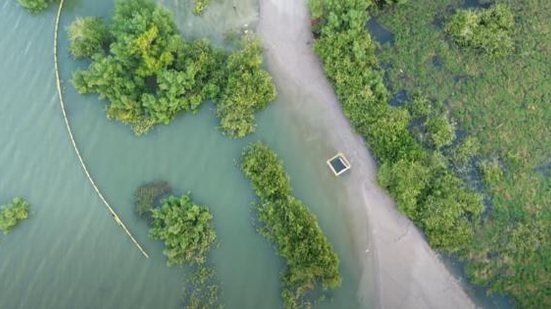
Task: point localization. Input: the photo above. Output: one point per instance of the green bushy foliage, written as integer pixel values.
(88, 36)
(489, 29)
(186, 229)
(12, 213)
(149, 73)
(35, 6)
(200, 6)
(440, 131)
(249, 88)
(287, 222)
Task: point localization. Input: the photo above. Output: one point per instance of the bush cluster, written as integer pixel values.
(287, 222)
(145, 69)
(13, 213)
(489, 30)
(415, 174)
(200, 6)
(35, 6)
(186, 229)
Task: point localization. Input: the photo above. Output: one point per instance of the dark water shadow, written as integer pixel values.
(378, 32)
(399, 98)
(479, 294)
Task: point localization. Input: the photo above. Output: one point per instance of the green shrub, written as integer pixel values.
(249, 89)
(35, 6)
(186, 229)
(200, 6)
(88, 36)
(467, 149)
(419, 107)
(492, 173)
(287, 222)
(13, 213)
(488, 30)
(440, 131)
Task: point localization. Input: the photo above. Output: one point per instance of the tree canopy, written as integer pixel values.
(12, 213)
(148, 73)
(311, 260)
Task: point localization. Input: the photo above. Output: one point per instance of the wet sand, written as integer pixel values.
(399, 270)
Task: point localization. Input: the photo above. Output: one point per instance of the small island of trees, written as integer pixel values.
(188, 233)
(12, 213)
(148, 73)
(311, 260)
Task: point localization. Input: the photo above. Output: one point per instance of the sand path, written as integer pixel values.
(399, 268)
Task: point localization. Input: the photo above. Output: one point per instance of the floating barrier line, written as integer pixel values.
(60, 94)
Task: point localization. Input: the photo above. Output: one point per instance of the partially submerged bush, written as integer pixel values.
(35, 6)
(89, 36)
(13, 213)
(311, 261)
(186, 229)
(249, 89)
(489, 30)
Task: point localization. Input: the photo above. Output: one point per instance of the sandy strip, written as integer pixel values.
(399, 268)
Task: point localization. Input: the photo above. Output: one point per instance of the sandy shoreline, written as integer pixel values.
(399, 268)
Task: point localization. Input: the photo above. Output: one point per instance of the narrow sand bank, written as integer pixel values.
(399, 268)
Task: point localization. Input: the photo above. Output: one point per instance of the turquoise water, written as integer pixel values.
(70, 253)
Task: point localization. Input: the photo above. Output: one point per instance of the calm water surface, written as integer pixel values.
(70, 254)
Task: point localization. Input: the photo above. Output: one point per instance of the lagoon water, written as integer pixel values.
(70, 253)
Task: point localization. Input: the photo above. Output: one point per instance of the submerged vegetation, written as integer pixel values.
(35, 6)
(489, 29)
(287, 222)
(12, 213)
(148, 73)
(188, 233)
(148, 196)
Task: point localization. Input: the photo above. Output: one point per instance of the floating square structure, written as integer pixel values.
(339, 164)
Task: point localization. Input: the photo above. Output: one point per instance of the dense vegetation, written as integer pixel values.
(185, 228)
(287, 222)
(145, 69)
(489, 29)
(501, 105)
(412, 166)
(248, 89)
(35, 6)
(188, 234)
(12, 213)
(497, 105)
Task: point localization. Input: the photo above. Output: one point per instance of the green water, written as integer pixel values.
(70, 253)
